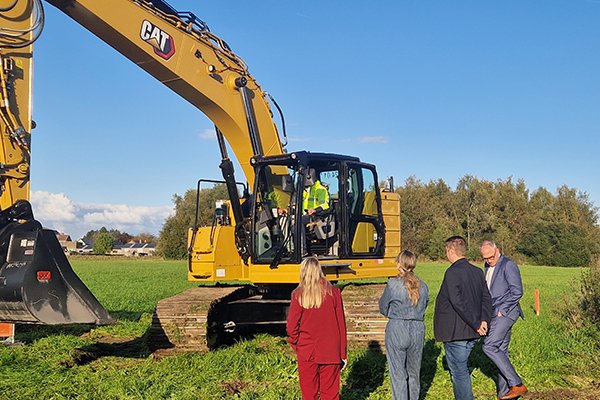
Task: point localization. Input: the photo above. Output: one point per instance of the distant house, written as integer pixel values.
(83, 248)
(66, 243)
(134, 249)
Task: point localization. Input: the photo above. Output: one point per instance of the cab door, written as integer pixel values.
(365, 230)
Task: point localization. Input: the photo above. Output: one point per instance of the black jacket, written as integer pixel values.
(462, 303)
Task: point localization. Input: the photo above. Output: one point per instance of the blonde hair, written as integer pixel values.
(406, 263)
(313, 285)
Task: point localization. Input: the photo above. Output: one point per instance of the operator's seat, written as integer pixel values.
(324, 227)
(324, 232)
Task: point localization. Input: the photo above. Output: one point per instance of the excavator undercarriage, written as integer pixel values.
(204, 318)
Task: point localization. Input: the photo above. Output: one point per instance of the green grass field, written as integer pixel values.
(550, 356)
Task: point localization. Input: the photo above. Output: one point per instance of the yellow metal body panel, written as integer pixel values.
(214, 256)
(334, 270)
(220, 262)
(390, 207)
(15, 96)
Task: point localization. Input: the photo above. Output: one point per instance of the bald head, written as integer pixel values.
(489, 252)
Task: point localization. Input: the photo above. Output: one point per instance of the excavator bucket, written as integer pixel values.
(38, 285)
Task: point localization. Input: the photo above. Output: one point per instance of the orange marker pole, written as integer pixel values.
(7, 332)
(537, 302)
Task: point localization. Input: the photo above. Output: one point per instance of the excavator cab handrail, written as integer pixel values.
(198, 189)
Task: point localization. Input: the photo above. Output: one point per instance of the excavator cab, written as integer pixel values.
(349, 226)
(37, 283)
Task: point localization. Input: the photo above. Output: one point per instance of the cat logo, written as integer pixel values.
(159, 39)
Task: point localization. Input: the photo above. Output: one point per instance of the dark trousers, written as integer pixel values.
(318, 379)
(495, 346)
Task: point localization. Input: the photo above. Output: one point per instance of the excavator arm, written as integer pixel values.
(37, 284)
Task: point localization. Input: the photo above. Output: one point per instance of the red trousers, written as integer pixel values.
(319, 378)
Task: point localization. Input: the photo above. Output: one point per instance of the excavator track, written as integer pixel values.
(364, 323)
(194, 320)
(181, 322)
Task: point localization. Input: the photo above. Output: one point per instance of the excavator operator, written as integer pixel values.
(315, 200)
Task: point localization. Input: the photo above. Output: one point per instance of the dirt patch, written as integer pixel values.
(563, 394)
(234, 387)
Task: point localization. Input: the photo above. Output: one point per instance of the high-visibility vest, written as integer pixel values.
(315, 196)
(277, 198)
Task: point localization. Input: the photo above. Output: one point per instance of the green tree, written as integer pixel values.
(118, 236)
(559, 229)
(541, 204)
(144, 238)
(123, 237)
(474, 209)
(557, 243)
(413, 216)
(172, 240)
(435, 249)
(104, 243)
(511, 211)
(91, 236)
(573, 206)
(567, 212)
(426, 216)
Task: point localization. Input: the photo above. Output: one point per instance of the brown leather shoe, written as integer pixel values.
(514, 392)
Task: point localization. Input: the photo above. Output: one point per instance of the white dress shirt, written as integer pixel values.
(488, 276)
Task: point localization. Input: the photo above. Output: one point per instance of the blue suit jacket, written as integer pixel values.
(506, 288)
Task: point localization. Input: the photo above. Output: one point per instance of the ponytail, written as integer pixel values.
(406, 263)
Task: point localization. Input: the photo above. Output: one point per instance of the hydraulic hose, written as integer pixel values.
(18, 38)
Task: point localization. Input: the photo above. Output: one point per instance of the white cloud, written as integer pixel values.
(53, 207)
(208, 134)
(374, 139)
(57, 211)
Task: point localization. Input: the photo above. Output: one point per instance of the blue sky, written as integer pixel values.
(434, 89)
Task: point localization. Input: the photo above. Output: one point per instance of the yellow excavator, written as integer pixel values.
(258, 237)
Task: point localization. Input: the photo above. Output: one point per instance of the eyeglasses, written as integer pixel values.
(490, 258)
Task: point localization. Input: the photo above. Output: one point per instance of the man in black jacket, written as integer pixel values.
(463, 310)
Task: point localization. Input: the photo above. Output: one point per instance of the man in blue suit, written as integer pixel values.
(504, 282)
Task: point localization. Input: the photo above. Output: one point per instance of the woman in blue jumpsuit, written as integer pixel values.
(404, 301)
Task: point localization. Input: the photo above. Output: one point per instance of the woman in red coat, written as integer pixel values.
(317, 332)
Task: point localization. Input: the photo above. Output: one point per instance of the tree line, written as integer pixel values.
(536, 227)
(103, 240)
